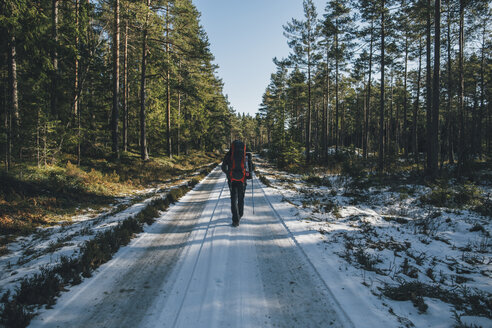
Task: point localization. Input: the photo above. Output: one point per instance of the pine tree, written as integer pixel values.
(338, 24)
(303, 40)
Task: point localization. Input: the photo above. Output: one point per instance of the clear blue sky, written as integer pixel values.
(245, 35)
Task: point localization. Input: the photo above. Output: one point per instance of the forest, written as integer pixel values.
(107, 79)
(393, 81)
(372, 147)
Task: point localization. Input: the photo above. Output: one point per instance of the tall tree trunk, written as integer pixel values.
(308, 123)
(416, 108)
(323, 128)
(391, 122)
(116, 80)
(14, 117)
(337, 104)
(482, 92)
(38, 136)
(76, 80)
(7, 121)
(143, 134)
(326, 110)
(428, 87)
(434, 141)
(125, 89)
(368, 102)
(168, 85)
(178, 144)
(381, 108)
(54, 59)
(405, 101)
(461, 90)
(450, 115)
(327, 122)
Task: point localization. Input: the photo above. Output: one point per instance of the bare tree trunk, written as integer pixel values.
(54, 59)
(125, 89)
(116, 80)
(14, 117)
(308, 123)
(178, 150)
(168, 85)
(434, 141)
(416, 108)
(381, 108)
(482, 92)
(7, 122)
(461, 89)
(337, 104)
(405, 101)
(428, 86)
(391, 126)
(76, 114)
(38, 136)
(365, 146)
(450, 115)
(143, 136)
(327, 109)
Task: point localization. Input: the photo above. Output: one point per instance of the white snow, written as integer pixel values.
(29, 254)
(371, 226)
(297, 261)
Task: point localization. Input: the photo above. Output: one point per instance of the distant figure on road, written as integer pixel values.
(238, 167)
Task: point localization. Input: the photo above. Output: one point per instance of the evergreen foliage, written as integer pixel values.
(58, 88)
(364, 78)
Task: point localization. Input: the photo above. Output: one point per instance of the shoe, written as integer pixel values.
(235, 223)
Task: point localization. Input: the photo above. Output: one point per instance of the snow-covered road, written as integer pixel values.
(193, 269)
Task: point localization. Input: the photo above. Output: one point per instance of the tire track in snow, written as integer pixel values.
(199, 252)
(192, 269)
(121, 291)
(333, 302)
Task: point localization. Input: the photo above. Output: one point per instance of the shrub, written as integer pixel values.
(440, 197)
(264, 180)
(353, 169)
(289, 157)
(15, 315)
(463, 196)
(408, 291)
(366, 260)
(484, 208)
(468, 194)
(317, 180)
(477, 227)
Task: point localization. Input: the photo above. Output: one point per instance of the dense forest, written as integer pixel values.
(105, 78)
(392, 80)
(406, 80)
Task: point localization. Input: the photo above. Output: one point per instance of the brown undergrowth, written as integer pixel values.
(17, 309)
(32, 196)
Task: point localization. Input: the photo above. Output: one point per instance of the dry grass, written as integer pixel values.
(32, 196)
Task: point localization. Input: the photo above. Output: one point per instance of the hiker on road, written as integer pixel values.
(238, 167)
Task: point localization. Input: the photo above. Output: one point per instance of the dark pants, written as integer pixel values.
(237, 189)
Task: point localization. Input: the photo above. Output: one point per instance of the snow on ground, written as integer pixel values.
(29, 254)
(191, 268)
(365, 242)
(320, 247)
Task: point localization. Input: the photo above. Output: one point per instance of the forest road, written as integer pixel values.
(191, 268)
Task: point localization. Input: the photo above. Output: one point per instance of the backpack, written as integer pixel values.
(238, 154)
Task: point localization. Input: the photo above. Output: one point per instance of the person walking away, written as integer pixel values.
(234, 165)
